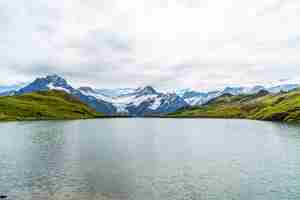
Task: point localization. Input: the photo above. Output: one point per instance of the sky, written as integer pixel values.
(199, 44)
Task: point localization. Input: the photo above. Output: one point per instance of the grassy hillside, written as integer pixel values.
(44, 105)
(262, 106)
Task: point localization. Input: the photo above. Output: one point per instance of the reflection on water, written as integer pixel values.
(150, 159)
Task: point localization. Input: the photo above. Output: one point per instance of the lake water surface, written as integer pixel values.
(150, 159)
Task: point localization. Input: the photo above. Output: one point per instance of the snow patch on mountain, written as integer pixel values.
(52, 87)
(195, 98)
(139, 101)
(55, 82)
(143, 100)
(157, 102)
(115, 92)
(283, 88)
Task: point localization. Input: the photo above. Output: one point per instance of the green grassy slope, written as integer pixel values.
(262, 106)
(44, 105)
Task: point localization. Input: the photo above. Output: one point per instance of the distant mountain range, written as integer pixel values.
(8, 90)
(195, 98)
(137, 102)
(283, 106)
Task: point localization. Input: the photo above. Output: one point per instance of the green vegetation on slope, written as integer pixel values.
(262, 106)
(44, 105)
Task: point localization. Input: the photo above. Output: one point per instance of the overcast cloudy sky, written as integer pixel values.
(201, 44)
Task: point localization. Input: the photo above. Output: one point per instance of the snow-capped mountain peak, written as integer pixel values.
(51, 82)
(144, 100)
(137, 102)
(55, 82)
(148, 90)
(56, 79)
(58, 83)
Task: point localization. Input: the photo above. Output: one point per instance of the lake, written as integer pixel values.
(150, 159)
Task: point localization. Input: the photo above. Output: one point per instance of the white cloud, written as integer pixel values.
(175, 43)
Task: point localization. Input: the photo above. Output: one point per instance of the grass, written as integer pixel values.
(60, 105)
(262, 106)
(44, 105)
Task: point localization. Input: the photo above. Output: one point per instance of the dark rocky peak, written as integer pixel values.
(263, 93)
(45, 83)
(146, 91)
(55, 79)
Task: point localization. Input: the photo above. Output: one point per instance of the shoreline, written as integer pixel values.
(141, 117)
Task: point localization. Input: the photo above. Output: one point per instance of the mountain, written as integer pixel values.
(155, 104)
(284, 106)
(44, 105)
(8, 93)
(148, 101)
(55, 82)
(255, 89)
(115, 92)
(8, 90)
(134, 102)
(195, 98)
(233, 90)
(148, 90)
(283, 88)
(141, 101)
(51, 82)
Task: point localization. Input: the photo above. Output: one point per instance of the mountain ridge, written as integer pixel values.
(141, 101)
(55, 82)
(44, 105)
(283, 106)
